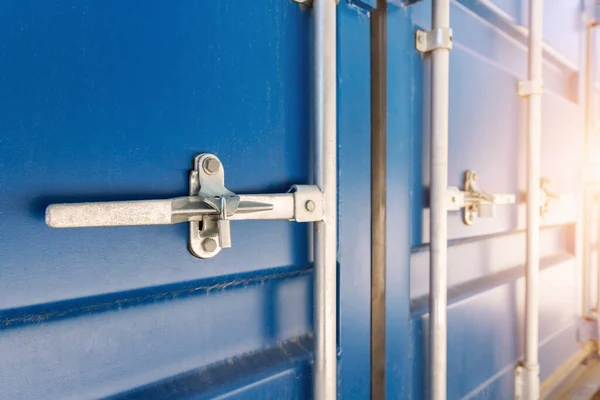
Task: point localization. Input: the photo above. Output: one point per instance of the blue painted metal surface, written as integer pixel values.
(110, 100)
(487, 134)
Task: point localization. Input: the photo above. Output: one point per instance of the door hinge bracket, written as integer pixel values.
(440, 38)
(474, 202)
(209, 208)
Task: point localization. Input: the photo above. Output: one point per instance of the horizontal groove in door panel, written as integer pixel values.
(482, 238)
(73, 263)
(555, 349)
(497, 37)
(491, 321)
(553, 352)
(458, 292)
(494, 387)
(150, 342)
(70, 308)
(482, 257)
(281, 371)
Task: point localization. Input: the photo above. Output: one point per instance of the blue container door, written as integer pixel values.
(111, 100)
(487, 134)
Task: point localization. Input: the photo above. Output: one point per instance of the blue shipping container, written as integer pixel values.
(110, 100)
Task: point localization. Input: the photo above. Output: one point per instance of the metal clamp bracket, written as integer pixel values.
(546, 196)
(440, 38)
(209, 209)
(306, 3)
(527, 88)
(473, 201)
(309, 3)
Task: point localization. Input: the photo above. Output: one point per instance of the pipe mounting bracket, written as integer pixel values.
(440, 38)
(528, 88)
(309, 3)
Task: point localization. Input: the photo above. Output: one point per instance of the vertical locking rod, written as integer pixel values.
(530, 365)
(590, 123)
(325, 235)
(438, 292)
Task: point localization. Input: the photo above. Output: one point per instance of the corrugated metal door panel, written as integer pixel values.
(485, 327)
(110, 100)
(486, 123)
(561, 23)
(486, 261)
(102, 107)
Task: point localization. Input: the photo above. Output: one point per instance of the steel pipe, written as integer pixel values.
(589, 123)
(325, 234)
(438, 296)
(531, 367)
(589, 63)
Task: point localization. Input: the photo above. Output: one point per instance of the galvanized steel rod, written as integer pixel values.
(597, 224)
(589, 123)
(532, 273)
(589, 83)
(325, 235)
(440, 66)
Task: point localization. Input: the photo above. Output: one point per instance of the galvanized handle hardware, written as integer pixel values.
(546, 196)
(473, 201)
(209, 209)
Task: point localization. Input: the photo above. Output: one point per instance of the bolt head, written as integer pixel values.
(211, 165)
(310, 206)
(209, 245)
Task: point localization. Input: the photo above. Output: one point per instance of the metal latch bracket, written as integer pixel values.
(440, 38)
(473, 201)
(210, 234)
(546, 196)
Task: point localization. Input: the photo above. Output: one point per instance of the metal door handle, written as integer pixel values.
(126, 213)
(473, 201)
(209, 209)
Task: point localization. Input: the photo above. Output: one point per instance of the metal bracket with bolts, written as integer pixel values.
(209, 209)
(546, 196)
(440, 38)
(306, 3)
(473, 201)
